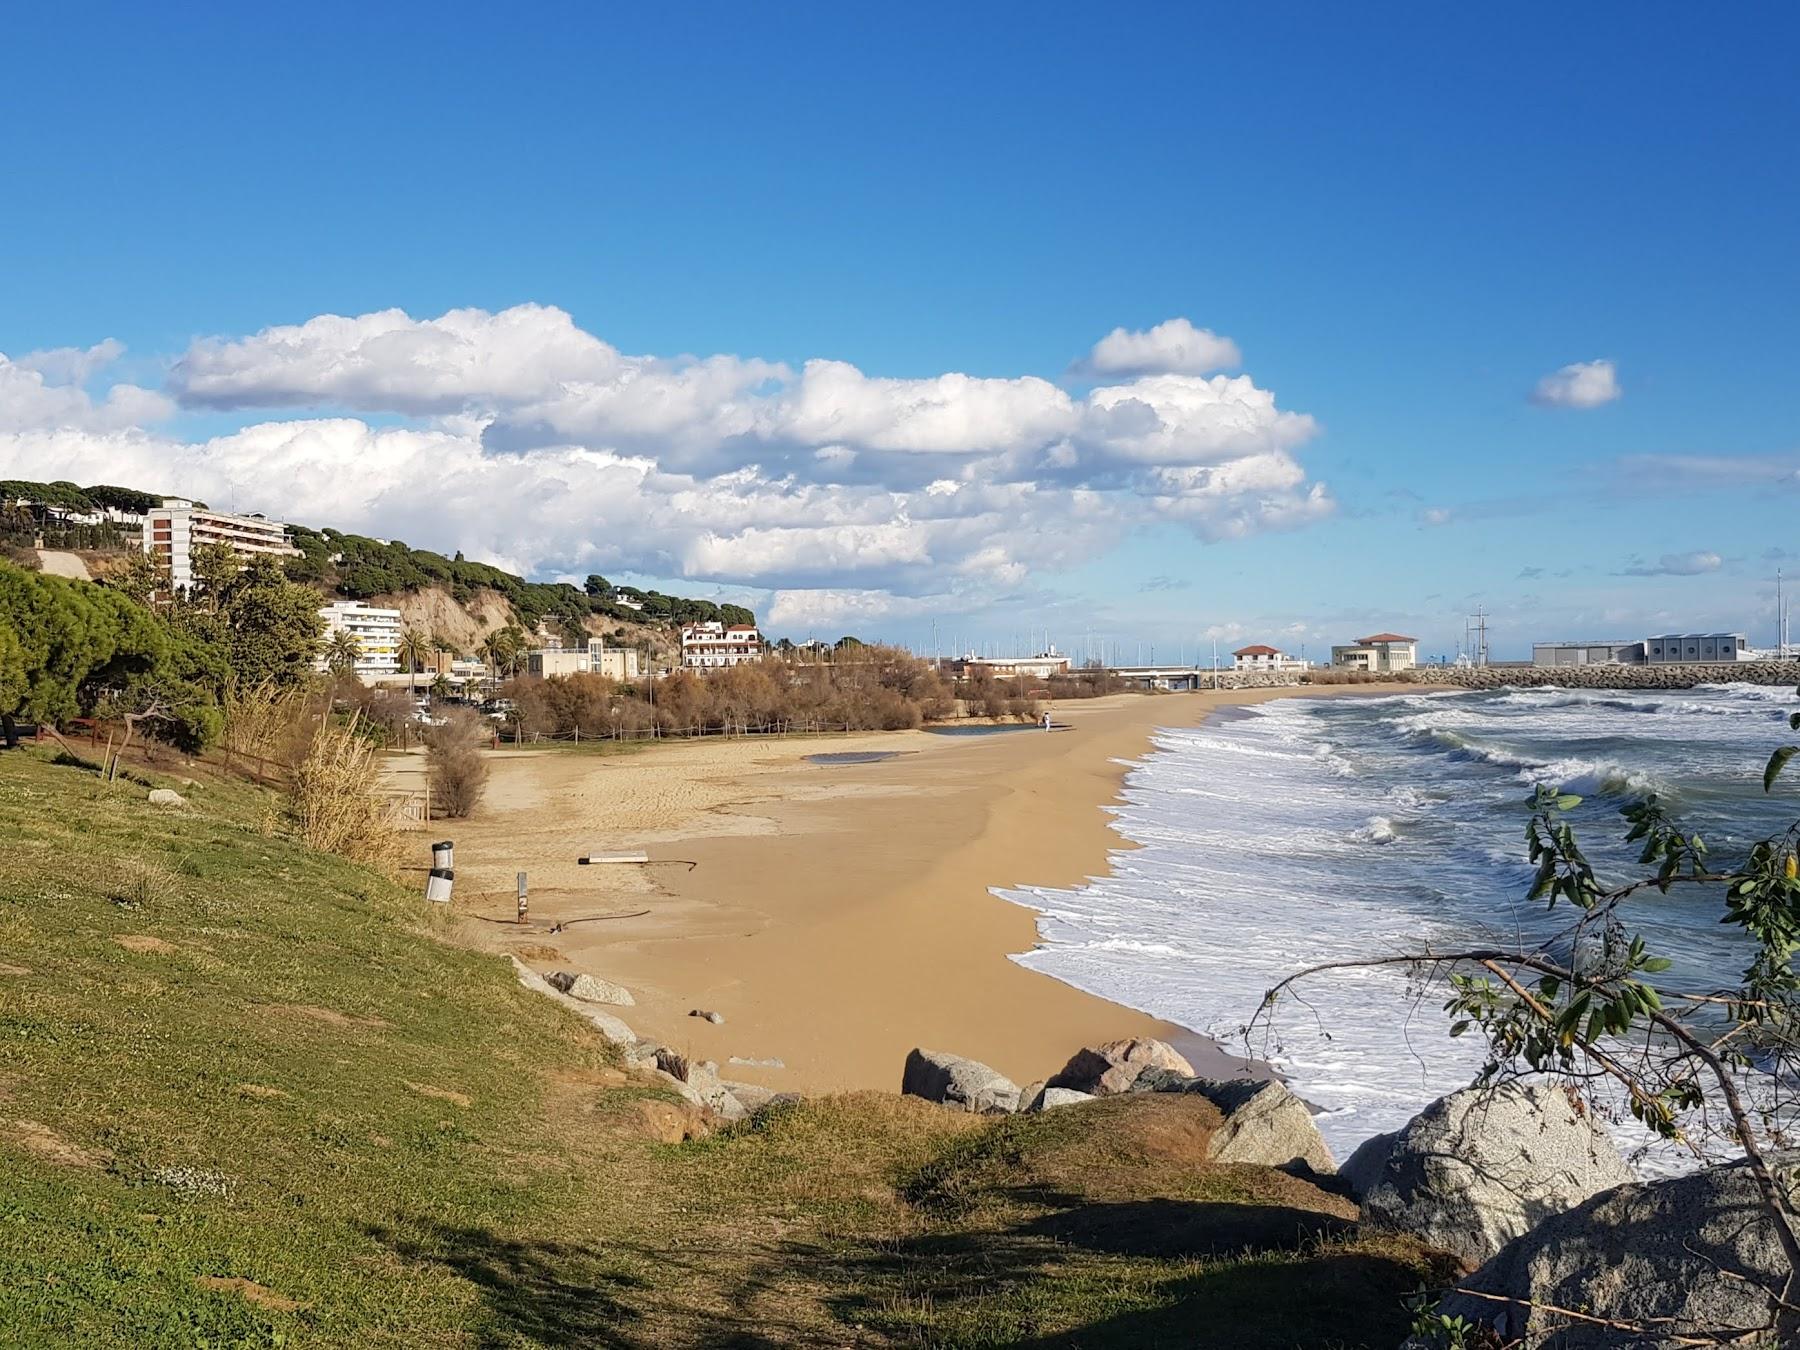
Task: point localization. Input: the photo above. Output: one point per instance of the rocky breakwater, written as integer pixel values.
(1606, 677)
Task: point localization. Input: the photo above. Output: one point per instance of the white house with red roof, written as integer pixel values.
(1261, 657)
(1380, 652)
(713, 645)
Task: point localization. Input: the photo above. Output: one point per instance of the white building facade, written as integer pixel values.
(176, 528)
(615, 663)
(1260, 657)
(377, 634)
(1379, 653)
(1039, 667)
(714, 646)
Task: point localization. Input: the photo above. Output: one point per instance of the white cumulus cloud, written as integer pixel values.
(43, 391)
(524, 440)
(1584, 384)
(1173, 347)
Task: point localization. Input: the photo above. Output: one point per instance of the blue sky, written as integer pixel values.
(1405, 218)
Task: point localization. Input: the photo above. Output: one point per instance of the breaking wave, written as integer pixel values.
(1306, 831)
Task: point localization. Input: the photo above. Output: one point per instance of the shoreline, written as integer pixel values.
(837, 914)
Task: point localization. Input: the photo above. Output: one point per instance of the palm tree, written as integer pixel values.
(342, 652)
(414, 649)
(496, 650)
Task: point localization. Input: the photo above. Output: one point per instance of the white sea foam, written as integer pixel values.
(1309, 831)
(1379, 830)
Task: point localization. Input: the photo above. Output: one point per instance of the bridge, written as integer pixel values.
(1167, 677)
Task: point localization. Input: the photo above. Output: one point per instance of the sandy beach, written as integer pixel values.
(835, 914)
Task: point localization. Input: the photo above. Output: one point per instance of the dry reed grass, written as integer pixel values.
(266, 720)
(336, 798)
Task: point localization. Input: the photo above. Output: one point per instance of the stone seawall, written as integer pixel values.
(1609, 677)
(1251, 679)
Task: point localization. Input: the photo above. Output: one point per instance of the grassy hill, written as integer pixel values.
(250, 1096)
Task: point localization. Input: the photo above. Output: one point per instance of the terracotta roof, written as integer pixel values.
(741, 628)
(1257, 650)
(1386, 637)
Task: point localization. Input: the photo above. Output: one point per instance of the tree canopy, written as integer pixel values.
(69, 642)
(73, 648)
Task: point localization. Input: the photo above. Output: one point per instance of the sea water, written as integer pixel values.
(1302, 831)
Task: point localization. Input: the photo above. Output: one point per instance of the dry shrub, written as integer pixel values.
(453, 756)
(387, 711)
(337, 800)
(142, 883)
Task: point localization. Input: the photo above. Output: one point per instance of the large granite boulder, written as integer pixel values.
(1101, 1071)
(1694, 1249)
(1264, 1122)
(955, 1081)
(1480, 1167)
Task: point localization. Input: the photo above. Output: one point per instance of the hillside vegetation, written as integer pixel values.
(249, 1096)
(361, 568)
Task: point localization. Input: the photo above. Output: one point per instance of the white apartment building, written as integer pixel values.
(377, 634)
(713, 645)
(176, 528)
(1261, 657)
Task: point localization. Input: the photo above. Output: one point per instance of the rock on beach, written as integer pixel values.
(1483, 1166)
(955, 1081)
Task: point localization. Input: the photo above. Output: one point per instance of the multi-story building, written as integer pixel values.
(713, 645)
(1260, 657)
(616, 663)
(176, 528)
(1381, 652)
(377, 634)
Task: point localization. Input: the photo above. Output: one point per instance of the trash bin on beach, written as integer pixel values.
(442, 876)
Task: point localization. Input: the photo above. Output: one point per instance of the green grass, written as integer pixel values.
(244, 1125)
